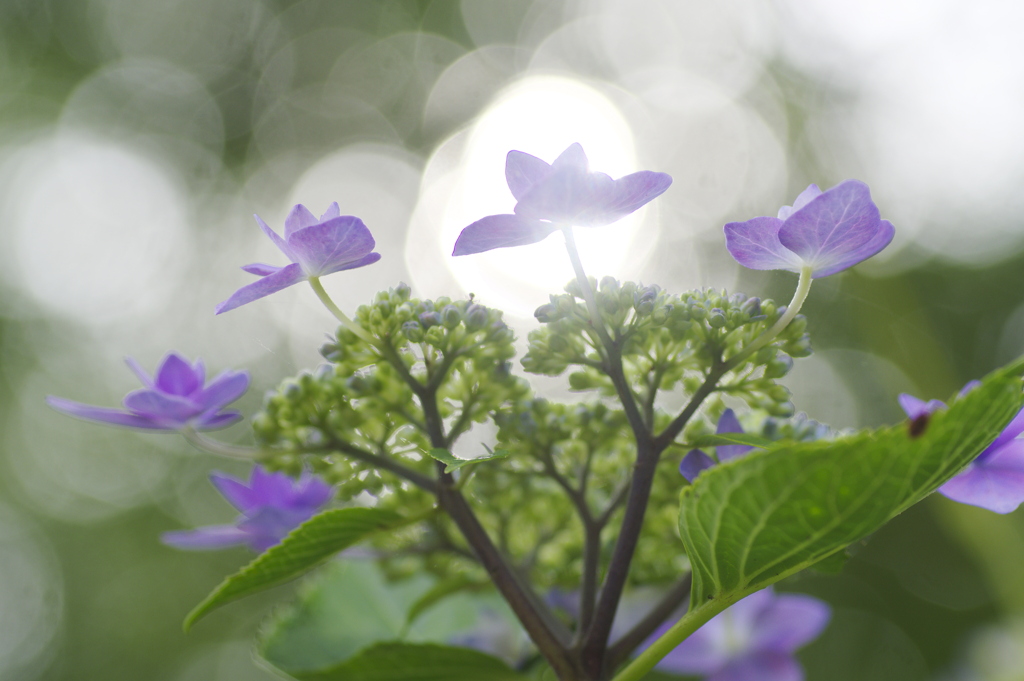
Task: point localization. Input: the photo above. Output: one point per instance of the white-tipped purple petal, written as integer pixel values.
(332, 212)
(287, 276)
(500, 231)
(728, 423)
(139, 372)
(806, 196)
(275, 237)
(789, 622)
(760, 666)
(224, 389)
(997, 483)
(837, 230)
(915, 408)
(206, 538)
(755, 244)
(693, 463)
(572, 157)
(177, 377)
(327, 246)
(173, 410)
(261, 269)
(113, 417)
(298, 218)
(237, 493)
(367, 259)
(522, 171)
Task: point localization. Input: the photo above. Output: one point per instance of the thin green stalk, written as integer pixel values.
(212, 446)
(584, 281)
(318, 288)
(803, 286)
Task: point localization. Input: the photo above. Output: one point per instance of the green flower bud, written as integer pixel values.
(778, 367)
(547, 313)
(429, 319)
(413, 331)
(476, 316)
(402, 292)
(717, 318)
(450, 316)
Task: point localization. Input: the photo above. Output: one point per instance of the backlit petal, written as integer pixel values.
(113, 417)
(327, 246)
(522, 171)
(287, 276)
(755, 244)
(501, 231)
(298, 218)
(206, 538)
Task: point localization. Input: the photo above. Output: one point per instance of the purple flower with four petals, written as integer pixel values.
(696, 460)
(174, 400)
(316, 248)
(825, 231)
(561, 194)
(754, 640)
(995, 479)
(271, 504)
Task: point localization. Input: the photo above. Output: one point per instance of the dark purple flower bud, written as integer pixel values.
(751, 307)
(826, 231)
(316, 247)
(696, 461)
(754, 640)
(429, 319)
(271, 506)
(995, 479)
(177, 398)
(562, 194)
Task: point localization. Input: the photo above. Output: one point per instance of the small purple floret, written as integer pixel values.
(754, 640)
(561, 194)
(271, 506)
(696, 461)
(827, 231)
(995, 479)
(176, 398)
(316, 247)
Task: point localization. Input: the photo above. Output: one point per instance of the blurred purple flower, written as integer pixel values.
(828, 231)
(177, 398)
(316, 248)
(696, 461)
(562, 194)
(754, 640)
(271, 504)
(995, 479)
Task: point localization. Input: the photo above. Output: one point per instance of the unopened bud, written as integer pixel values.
(451, 317)
(413, 331)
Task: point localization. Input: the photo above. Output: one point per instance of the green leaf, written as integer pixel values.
(752, 521)
(453, 463)
(441, 591)
(732, 439)
(416, 662)
(307, 546)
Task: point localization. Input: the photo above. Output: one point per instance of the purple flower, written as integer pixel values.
(826, 231)
(316, 248)
(995, 479)
(562, 194)
(754, 640)
(696, 461)
(177, 398)
(272, 505)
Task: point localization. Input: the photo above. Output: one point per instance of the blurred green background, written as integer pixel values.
(136, 139)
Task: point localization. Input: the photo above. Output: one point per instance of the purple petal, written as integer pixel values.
(262, 270)
(789, 622)
(500, 231)
(113, 417)
(272, 489)
(311, 492)
(327, 246)
(914, 407)
(171, 410)
(627, 194)
(368, 259)
(760, 666)
(705, 651)
(837, 230)
(177, 377)
(572, 157)
(298, 218)
(210, 421)
(755, 244)
(568, 196)
(139, 371)
(1010, 433)
(693, 463)
(278, 241)
(237, 493)
(292, 274)
(206, 538)
(332, 212)
(996, 483)
(806, 196)
(224, 389)
(968, 387)
(728, 423)
(522, 171)
(269, 525)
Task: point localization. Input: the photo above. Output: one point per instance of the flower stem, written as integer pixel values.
(212, 446)
(584, 282)
(803, 286)
(690, 622)
(336, 311)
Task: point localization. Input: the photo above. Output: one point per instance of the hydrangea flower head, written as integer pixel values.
(754, 640)
(827, 231)
(995, 479)
(271, 506)
(696, 460)
(316, 247)
(177, 397)
(561, 194)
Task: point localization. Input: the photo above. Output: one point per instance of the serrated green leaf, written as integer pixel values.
(417, 662)
(732, 439)
(307, 546)
(752, 521)
(453, 463)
